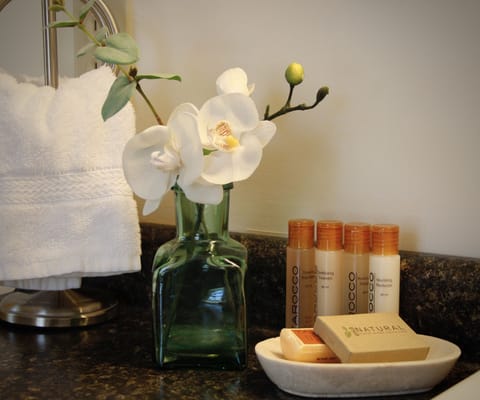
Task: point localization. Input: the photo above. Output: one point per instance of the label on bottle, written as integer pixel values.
(301, 296)
(308, 289)
(300, 288)
(355, 283)
(294, 289)
(352, 295)
(371, 292)
(384, 284)
(329, 282)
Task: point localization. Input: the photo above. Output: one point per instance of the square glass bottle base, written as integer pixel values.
(216, 349)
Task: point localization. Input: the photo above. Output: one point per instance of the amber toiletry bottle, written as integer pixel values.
(356, 243)
(328, 259)
(384, 270)
(300, 275)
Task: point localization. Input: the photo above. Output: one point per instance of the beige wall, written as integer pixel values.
(397, 140)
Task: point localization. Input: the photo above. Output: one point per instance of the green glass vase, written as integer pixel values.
(199, 311)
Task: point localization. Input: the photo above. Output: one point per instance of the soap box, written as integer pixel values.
(302, 344)
(367, 338)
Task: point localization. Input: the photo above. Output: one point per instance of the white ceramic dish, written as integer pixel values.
(349, 380)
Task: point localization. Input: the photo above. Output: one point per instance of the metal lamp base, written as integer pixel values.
(57, 309)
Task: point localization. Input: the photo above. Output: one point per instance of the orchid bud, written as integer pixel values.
(294, 74)
(322, 93)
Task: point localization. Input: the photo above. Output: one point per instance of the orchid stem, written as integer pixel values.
(149, 103)
(285, 109)
(199, 220)
(290, 94)
(131, 77)
(322, 92)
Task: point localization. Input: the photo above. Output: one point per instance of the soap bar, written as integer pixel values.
(302, 344)
(367, 338)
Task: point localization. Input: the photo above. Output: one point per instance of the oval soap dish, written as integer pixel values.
(356, 380)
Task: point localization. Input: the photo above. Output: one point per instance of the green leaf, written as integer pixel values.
(171, 77)
(85, 49)
(119, 49)
(119, 95)
(85, 9)
(101, 34)
(63, 24)
(56, 8)
(112, 56)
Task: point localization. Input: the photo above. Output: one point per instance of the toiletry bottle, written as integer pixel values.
(356, 244)
(300, 275)
(328, 258)
(384, 270)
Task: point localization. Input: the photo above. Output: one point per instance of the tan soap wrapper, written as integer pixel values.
(368, 338)
(302, 344)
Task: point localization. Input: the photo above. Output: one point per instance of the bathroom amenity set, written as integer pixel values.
(357, 342)
(350, 269)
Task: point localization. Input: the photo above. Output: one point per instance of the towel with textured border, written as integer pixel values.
(66, 211)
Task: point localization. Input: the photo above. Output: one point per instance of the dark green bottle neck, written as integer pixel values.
(197, 221)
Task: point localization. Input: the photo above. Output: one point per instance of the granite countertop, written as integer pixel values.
(113, 360)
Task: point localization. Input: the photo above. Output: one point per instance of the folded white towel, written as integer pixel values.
(66, 210)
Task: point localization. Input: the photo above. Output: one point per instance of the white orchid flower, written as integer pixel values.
(184, 123)
(227, 128)
(231, 130)
(234, 80)
(156, 158)
(146, 180)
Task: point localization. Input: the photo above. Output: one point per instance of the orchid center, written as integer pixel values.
(222, 136)
(168, 160)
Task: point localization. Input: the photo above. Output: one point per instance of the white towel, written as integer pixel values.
(66, 210)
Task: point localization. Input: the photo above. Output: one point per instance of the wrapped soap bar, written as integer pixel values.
(374, 337)
(302, 344)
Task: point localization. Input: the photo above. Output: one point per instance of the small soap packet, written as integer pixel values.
(302, 344)
(369, 338)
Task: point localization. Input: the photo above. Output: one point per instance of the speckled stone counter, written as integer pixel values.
(113, 360)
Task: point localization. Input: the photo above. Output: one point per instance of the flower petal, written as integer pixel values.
(239, 110)
(183, 108)
(265, 132)
(221, 167)
(145, 180)
(150, 206)
(202, 192)
(234, 80)
(184, 129)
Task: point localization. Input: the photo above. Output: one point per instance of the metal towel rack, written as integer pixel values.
(101, 14)
(72, 307)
